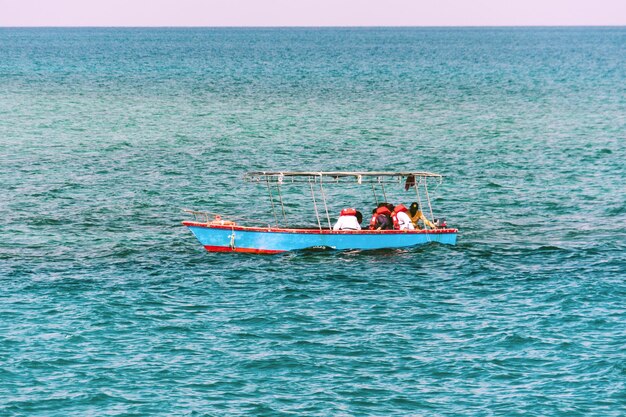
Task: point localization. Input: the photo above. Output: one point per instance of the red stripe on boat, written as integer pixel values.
(240, 250)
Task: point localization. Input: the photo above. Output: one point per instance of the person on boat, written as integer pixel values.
(347, 220)
(381, 219)
(372, 225)
(401, 220)
(416, 215)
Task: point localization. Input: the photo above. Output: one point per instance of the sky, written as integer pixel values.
(312, 12)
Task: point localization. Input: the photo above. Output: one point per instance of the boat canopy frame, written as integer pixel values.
(274, 179)
(364, 177)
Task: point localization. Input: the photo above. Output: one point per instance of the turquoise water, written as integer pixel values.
(108, 306)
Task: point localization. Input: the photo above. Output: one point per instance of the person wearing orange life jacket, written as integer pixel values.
(347, 220)
(381, 219)
(416, 215)
(401, 220)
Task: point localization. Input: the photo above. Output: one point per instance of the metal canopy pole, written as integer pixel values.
(375, 196)
(269, 190)
(382, 185)
(325, 206)
(282, 206)
(432, 218)
(315, 207)
(417, 192)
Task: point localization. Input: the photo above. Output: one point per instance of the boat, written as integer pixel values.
(220, 234)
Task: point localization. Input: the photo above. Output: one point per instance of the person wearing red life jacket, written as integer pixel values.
(347, 220)
(381, 219)
(401, 220)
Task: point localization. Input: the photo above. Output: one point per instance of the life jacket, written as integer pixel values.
(373, 221)
(394, 216)
(348, 212)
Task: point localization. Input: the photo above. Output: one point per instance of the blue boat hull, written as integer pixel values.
(276, 240)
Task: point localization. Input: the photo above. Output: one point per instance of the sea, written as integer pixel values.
(110, 307)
